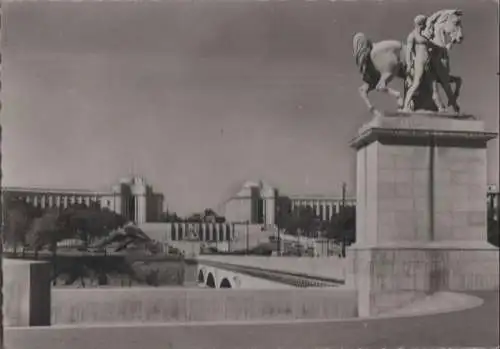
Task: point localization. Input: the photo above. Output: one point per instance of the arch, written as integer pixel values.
(211, 280)
(225, 283)
(201, 277)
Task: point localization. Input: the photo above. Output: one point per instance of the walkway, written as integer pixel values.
(476, 327)
(287, 278)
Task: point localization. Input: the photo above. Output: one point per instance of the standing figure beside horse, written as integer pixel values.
(423, 63)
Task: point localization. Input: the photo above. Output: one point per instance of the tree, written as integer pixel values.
(47, 230)
(132, 237)
(170, 217)
(89, 223)
(302, 221)
(19, 216)
(342, 227)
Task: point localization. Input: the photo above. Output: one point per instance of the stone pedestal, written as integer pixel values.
(421, 210)
(26, 290)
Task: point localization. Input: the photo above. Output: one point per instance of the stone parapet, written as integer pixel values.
(100, 306)
(26, 292)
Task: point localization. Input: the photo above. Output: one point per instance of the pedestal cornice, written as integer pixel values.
(420, 128)
(395, 135)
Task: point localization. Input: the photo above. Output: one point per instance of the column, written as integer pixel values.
(201, 228)
(222, 228)
(42, 201)
(323, 213)
(210, 232)
(87, 201)
(180, 231)
(168, 229)
(173, 231)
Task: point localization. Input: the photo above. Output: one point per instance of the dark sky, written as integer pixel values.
(196, 97)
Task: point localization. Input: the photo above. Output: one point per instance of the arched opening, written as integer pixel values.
(210, 281)
(225, 284)
(201, 277)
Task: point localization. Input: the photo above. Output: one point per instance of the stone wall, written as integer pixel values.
(91, 306)
(26, 290)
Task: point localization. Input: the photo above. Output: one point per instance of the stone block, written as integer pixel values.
(443, 205)
(421, 176)
(386, 161)
(404, 190)
(477, 218)
(26, 293)
(386, 190)
(403, 176)
(386, 176)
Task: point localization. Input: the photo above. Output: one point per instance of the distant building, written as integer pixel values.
(259, 203)
(131, 197)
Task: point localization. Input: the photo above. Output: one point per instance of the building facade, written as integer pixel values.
(259, 203)
(132, 197)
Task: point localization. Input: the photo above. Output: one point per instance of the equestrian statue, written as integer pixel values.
(422, 62)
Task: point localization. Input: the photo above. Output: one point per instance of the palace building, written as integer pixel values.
(131, 197)
(259, 203)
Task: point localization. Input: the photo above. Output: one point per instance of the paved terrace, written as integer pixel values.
(476, 327)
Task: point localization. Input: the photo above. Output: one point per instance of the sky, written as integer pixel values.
(199, 96)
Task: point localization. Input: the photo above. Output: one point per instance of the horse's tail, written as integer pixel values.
(361, 50)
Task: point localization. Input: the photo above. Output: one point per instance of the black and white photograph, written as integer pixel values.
(249, 174)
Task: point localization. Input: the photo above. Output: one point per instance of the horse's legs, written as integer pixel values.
(445, 79)
(435, 95)
(458, 86)
(417, 80)
(363, 92)
(384, 80)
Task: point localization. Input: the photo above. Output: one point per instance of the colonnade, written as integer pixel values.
(199, 231)
(324, 208)
(48, 200)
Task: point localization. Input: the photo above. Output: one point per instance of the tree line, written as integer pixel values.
(207, 216)
(34, 228)
(304, 221)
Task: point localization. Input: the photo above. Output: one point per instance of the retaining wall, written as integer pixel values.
(91, 306)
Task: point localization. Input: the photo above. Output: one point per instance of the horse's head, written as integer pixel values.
(446, 27)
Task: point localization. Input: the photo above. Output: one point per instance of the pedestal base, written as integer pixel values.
(388, 277)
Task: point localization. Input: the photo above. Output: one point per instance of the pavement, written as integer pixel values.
(474, 327)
